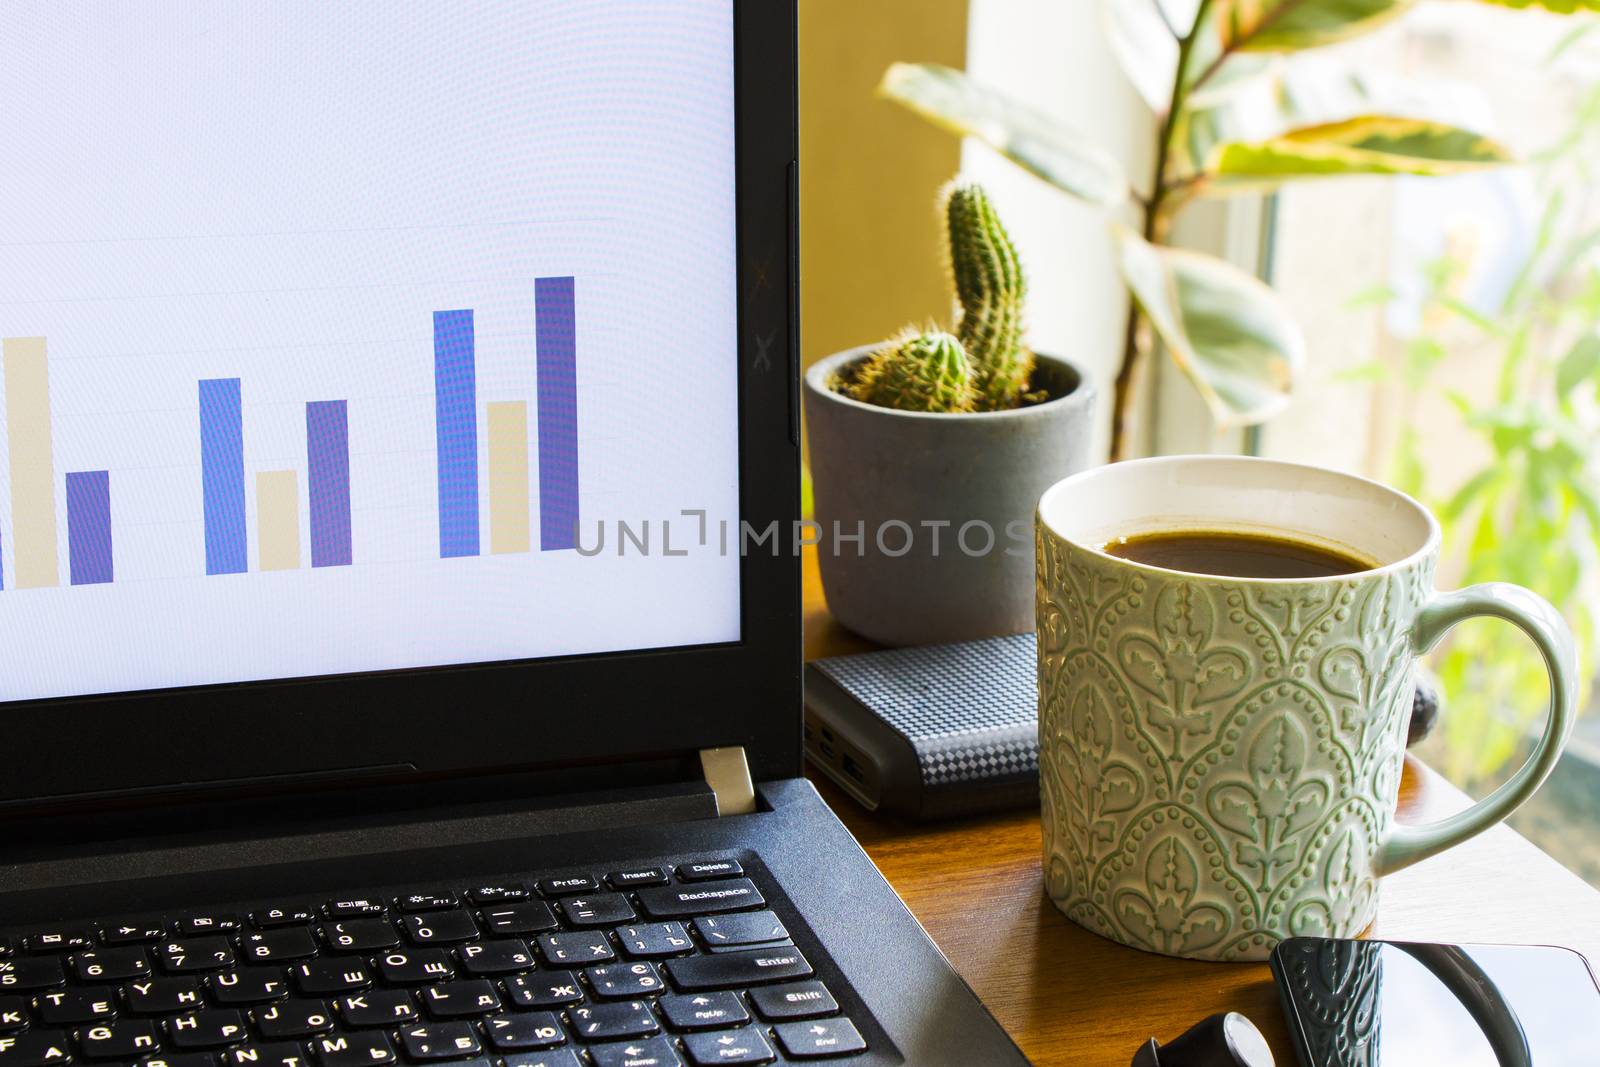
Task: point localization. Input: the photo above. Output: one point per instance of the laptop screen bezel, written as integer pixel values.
(522, 716)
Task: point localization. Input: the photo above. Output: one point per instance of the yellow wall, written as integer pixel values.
(870, 255)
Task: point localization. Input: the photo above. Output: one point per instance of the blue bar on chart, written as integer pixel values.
(555, 321)
(456, 426)
(222, 476)
(328, 464)
(89, 526)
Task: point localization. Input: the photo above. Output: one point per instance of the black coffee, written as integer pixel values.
(1235, 555)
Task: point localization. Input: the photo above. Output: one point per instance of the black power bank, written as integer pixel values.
(929, 733)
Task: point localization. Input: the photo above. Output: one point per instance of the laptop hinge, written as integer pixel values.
(728, 774)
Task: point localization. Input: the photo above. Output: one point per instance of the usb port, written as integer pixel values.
(853, 769)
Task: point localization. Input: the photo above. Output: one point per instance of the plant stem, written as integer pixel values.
(1127, 372)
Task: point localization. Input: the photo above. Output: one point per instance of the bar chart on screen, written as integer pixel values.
(313, 497)
(328, 341)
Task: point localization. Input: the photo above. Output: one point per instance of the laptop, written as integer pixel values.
(397, 583)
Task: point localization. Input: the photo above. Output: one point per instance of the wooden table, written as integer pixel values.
(1070, 997)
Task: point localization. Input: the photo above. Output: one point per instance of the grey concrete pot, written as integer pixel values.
(896, 475)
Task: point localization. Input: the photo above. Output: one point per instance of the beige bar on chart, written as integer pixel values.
(33, 474)
(278, 519)
(509, 529)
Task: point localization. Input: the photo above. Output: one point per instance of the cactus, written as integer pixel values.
(984, 367)
(990, 287)
(917, 372)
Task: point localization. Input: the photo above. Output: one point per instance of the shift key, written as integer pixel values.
(702, 898)
(731, 969)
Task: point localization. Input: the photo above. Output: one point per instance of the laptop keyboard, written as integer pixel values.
(638, 967)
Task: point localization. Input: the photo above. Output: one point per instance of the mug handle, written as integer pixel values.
(1404, 845)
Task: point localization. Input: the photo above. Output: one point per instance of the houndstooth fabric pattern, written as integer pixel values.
(970, 710)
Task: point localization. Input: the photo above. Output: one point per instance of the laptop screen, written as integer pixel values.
(362, 336)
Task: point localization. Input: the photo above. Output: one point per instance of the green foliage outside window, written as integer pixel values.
(1531, 513)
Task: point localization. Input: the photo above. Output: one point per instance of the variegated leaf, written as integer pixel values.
(1562, 7)
(1367, 144)
(1030, 139)
(1231, 334)
(1290, 25)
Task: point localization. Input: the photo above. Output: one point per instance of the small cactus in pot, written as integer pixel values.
(956, 427)
(984, 365)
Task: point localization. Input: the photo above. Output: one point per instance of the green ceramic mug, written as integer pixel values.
(1219, 758)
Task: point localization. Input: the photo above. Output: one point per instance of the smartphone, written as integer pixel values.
(1393, 1003)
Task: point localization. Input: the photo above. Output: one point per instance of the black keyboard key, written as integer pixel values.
(436, 901)
(366, 1048)
(354, 908)
(653, 1052)
(546, 989)
(604, 1022)
(360, 935)
(794, 1000)
(13, 1015)
(441, 927)
(745, 928)
(125, 1040)
(200, 925)
(654, 940)
(37, 1048)
(415, 966)
(67, 1007)
(215, 1028)
(559, 1057)
(247, 986)
(293, 1018)
(502, 893)
(703, 1011)
(163, 996)
(736, 1046)
(623, 980)
(637, 878)
(22, 975)
(58, 941)
(702, 872)
(132, 932)
(458, 1000)
(336, 974)
(5, 947)
(281, 915)
(597, 909)
(820, 1037)
(525, 1030)
(737, 969)
(180, 1059)
(196, 954)
(567, 885)
(389, 1007)
(111, 965)
(495, 958)
(675, 901)
(440, 1041)
(533, 917)
(565, 950)
(279, 945)
(278, 1054)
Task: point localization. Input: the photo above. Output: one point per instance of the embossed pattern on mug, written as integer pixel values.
(1218, 759)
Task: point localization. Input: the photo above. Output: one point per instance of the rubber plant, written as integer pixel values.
(1194, 61)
